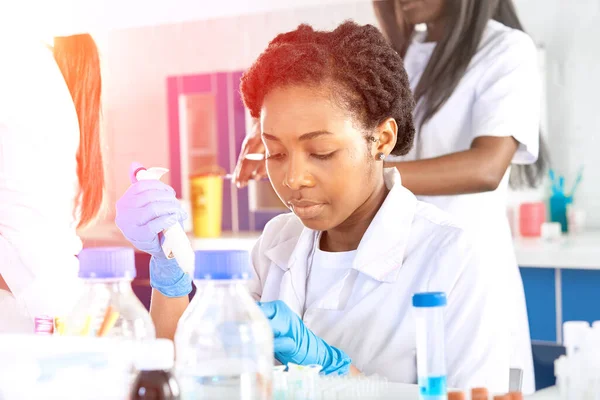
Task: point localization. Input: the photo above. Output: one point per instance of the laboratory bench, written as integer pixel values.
(561, 278)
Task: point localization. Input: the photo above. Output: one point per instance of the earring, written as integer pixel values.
(380, 156)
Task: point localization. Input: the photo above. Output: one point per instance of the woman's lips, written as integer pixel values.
(306, 209)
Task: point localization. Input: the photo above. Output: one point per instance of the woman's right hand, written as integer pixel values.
(248, 169)
(143, 212)
(147, 208)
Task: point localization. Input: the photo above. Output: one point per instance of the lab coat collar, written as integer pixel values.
(381, 250)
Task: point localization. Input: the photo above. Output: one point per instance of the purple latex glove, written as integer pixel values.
(143, 212)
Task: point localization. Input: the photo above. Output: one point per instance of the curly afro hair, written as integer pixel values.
(363, 71)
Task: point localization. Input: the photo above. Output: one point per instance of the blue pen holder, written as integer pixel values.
(558, 210)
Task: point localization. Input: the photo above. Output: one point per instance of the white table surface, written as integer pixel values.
(580, 251)
(546, 394)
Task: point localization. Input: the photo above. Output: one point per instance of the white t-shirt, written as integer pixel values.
(39, 138)
(499, 95)
(327, 269)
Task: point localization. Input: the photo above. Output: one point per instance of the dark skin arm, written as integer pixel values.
(479, 169)
(165, 312)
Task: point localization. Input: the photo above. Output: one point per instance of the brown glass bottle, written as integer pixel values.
(155, 385)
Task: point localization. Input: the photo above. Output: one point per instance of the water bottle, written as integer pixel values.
(431, 357)
(224, 344)
(108, 306)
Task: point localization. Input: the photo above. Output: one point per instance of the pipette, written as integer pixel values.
(176, 244)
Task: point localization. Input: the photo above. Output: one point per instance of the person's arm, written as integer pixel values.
(166, 312)
(479, 169)
(504, 127)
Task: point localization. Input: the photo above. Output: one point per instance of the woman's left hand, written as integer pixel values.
(294, 342)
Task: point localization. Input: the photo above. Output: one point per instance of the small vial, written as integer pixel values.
(502, 397)
(516, 396)
(431, 356)
(479, 394)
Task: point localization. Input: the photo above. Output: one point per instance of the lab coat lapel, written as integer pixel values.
(292, 289)
(381, 251)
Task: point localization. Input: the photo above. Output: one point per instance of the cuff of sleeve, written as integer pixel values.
(168, 278)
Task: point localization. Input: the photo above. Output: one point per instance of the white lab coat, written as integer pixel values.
(409, 247)
(39, 138)
(499, 95)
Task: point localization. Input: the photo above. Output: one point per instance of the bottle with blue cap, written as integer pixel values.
(223, 342)
(431, 356)
(108, 307)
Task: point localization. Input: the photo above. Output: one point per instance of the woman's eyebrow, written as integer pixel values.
(304, 137)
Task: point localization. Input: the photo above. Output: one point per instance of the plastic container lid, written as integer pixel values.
(222, 265)
(456, 396)
(154, 355)
(479, 394)
(429, 299)
(107, 263)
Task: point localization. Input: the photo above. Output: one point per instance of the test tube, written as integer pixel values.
(502, 397)
(515, 396)
(479, 394)
(431, 356)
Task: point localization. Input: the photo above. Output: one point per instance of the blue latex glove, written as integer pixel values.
(294, 342)
(143, 212)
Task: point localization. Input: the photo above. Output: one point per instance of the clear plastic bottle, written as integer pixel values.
(431, 356)
(108, 306)
(223, 343)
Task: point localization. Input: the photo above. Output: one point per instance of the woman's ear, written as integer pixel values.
(386, 136)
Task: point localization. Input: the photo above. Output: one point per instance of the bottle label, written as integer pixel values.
(44, 325)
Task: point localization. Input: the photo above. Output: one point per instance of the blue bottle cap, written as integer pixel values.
(429, 299)
(107, 263)
(222, 264)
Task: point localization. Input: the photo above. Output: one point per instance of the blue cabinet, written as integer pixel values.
(540, 294)
(580, 295)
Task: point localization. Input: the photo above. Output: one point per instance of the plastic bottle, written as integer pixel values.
(431, 356)
(224, 343)
(108, 306)
(155, 380)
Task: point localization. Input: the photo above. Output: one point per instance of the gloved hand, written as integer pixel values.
(294, 342)
(143, 212)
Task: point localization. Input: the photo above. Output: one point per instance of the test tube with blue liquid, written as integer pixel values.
(431, 357)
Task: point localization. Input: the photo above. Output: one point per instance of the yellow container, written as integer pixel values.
(207, 203)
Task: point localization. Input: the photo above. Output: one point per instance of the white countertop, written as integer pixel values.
(580, 251)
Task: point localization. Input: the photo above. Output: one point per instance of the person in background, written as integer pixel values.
(335, 277)
(51, 172)
(474, 75)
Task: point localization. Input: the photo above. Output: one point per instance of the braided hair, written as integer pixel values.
(359, 67)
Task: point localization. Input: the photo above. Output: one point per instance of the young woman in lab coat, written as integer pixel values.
(335, 277)
(475, 78)
(51, 173)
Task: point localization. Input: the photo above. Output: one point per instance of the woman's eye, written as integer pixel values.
(323, 156)
(274, 156)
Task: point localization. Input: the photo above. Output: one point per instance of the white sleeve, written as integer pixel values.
(508, 95)
(38, 185)
(477, 336)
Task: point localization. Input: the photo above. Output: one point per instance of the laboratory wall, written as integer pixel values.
(137, 62)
